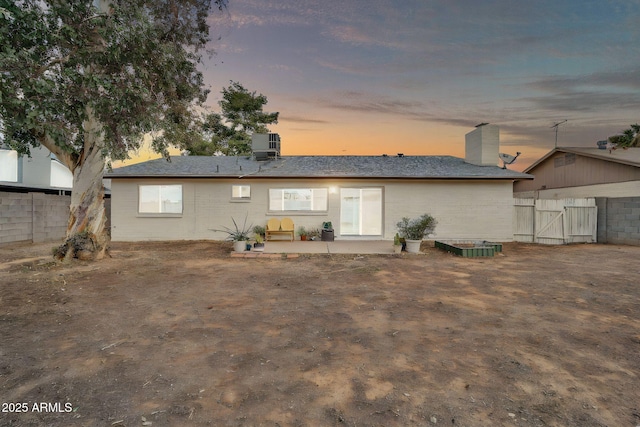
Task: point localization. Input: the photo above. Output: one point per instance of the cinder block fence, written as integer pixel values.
(619, 220)
(33, 217)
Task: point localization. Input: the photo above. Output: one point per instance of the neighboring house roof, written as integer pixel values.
(629, 156)
(423, 167)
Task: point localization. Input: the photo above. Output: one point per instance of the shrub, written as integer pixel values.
(417, 228)
(237, 233)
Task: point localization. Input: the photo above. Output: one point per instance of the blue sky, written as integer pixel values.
(414, 76)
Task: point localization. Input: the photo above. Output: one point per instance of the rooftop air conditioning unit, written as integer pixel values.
(265, 145)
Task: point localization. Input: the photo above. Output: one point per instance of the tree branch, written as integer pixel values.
(70, 160)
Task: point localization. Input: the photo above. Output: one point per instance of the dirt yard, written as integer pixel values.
(180, 334)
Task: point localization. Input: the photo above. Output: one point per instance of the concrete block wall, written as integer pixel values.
(619, 223)
(15, 217)
(33, 217)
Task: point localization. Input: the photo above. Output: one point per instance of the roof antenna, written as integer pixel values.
(556, 126)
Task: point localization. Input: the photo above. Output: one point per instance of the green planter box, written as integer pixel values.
(469, 249)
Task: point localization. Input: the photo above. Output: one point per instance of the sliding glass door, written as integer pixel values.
(361, 211)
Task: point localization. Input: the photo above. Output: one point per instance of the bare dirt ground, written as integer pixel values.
(180, 334)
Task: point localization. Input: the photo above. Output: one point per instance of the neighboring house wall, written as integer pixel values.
(618, 189)
(61, 176)
(619, 220)
(573, 170)
(33, 217)
(37, 171)
(464, 209)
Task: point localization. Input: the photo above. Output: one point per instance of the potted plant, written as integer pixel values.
(238, 235)
(397, 244)
(302, 232)
(259, 230)
(259, 244)
(313, 234)
(416, 229)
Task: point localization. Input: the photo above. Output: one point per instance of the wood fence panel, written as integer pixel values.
(523, 220)
(555, 222)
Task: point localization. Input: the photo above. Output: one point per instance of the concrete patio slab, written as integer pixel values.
(335, 247)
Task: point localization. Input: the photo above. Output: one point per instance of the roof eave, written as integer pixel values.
(611, 159)
(218, 176)
(581, 153)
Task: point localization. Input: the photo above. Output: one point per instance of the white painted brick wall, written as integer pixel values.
(478, 209)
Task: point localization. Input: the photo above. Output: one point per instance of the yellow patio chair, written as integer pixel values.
(286, 226)
(273, 227)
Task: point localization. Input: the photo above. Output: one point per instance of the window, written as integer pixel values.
(558, 162)
(298, 199)
(569, 158)
(160, 199)
(8, 165)
(240, 191)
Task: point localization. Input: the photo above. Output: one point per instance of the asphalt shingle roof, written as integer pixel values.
(435, 167)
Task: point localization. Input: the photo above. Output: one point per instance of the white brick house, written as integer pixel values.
(363, 196)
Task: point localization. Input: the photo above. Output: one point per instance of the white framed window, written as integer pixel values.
(160, 199)
(9, 165)
(298, 199)
(241, 192)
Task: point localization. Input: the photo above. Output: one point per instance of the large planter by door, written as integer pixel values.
(413, 246)
(240, 246)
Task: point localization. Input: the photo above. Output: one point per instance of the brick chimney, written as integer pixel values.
(482, 145)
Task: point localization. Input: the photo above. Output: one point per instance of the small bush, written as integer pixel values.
(417, 228)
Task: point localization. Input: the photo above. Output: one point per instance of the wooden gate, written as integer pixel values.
(555, 222)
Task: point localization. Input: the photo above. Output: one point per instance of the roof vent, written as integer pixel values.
(400, 154)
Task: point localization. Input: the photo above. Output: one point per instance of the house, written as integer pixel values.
(363, 196)
(611, 176)
(40, 172)
(583, 172)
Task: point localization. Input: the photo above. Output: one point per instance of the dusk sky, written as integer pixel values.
(358, 77)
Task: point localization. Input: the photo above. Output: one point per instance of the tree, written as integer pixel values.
(229, 133)
(87, 79)
(629, 137)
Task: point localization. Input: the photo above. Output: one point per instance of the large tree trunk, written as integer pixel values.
(87, 237)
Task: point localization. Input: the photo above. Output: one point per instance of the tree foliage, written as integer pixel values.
(628, 138)
(133, 65)
(89, 78)
(230, 131)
